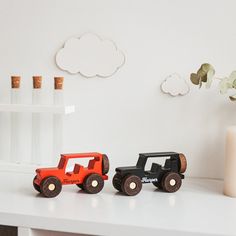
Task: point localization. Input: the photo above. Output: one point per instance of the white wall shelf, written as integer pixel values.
(20, 167)
(35, 133)
(60, 109)
(198, 208)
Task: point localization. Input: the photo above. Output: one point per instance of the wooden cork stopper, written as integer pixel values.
(58, 82)
(15, 81)
(37, 82)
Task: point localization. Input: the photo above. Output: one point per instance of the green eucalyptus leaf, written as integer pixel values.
(206, 67)
(224, 85)
(200, 82)
(206, 73)
(201, 73)
(210, 75)
(194, 78)
(232, 77)
(204, 78)
(233, 98)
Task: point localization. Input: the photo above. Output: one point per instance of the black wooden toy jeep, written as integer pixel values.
(168, 177)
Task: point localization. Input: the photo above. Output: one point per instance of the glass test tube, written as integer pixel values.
(36, 123)
(58, 99)
(15, 120)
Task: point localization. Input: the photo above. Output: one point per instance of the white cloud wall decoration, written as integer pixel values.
(90, 56)
(175, 85)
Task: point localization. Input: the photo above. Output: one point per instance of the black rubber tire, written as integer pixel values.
(131, 180)
(93, 179)
(158, 185)
(50, 182)
(105, 164)
(116, 181)
(80, 186)
(171, 187)
(36, 187)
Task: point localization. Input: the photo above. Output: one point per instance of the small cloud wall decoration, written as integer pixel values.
(175, 85)
(90, 56)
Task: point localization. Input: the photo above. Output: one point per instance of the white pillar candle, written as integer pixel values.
(230, 163)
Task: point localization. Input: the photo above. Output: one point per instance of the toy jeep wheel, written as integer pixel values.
(183, 163)
(171, 182)
(105, 164)
(36, 187)
(117, 179)
(158, 185)
(80, 186)
(50, 186)
(93, 183)
(131, 185)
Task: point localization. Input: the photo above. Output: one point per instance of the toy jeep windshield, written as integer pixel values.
(167, 177)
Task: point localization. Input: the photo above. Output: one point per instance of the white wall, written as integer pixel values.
(127, 114)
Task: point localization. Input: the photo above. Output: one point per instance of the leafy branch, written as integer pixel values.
(206, 75)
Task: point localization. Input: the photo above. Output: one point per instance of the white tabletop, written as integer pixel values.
(198, 208)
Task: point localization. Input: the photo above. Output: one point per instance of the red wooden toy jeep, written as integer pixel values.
(49, 181)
